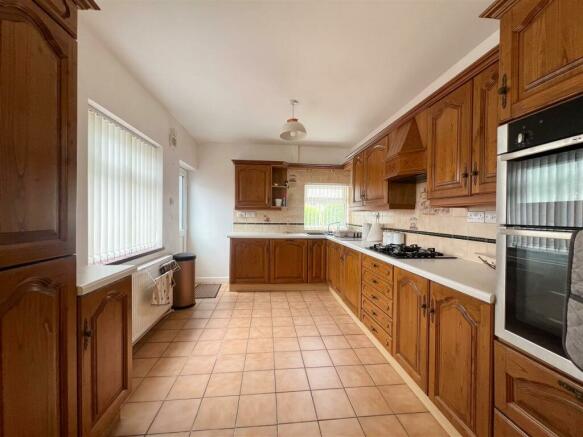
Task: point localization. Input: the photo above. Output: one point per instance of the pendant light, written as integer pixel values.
(292, 129)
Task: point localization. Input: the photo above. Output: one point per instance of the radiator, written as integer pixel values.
(144, 314)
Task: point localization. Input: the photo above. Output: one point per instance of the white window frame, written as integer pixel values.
(346, 210)
(183, 207)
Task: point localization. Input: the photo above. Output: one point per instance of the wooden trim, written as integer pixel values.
(257, 162)
(481, 64)
(289, 164)
(87, 4)
(472, 200)
(316, 166)
(498, 8)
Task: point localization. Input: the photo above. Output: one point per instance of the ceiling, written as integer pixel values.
(226, 69)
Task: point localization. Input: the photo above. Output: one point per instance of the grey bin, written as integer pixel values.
(184, 278)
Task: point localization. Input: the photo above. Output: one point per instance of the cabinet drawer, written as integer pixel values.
(379, 299)
(378, 282)
(503, 427)
(383, 336)
(385, 321)
(382, 269)
(537, 399)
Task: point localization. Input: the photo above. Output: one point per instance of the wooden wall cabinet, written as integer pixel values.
(249, 261)
(38, 135)
(105, 355)
(410, 324)
(317, 261)
(375, 192)
(288, 261)
(541, 47)
(38, 395)
(540, 401)
(357, 188)
(252, 186)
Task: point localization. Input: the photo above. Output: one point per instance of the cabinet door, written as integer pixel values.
(503, 427)
(37, 137)
(410, 324)
(484, 126)
(37, 338)
(450, 139)
(374, 174)
(460, 357)
(351, 282)
(249, 261)
(540, 401)
(289, 261)
(357, 196)
(252, 186)
(316, 261)
(541, 53)
(334, 266)
(105, 346)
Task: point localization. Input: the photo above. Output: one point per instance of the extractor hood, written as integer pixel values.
(406, 155)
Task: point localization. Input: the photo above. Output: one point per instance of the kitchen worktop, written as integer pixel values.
(91, 278)
(474, 279)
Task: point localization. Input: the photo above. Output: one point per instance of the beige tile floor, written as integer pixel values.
(267, 364)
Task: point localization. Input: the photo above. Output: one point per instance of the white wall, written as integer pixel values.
(213, 187)
(103, 79)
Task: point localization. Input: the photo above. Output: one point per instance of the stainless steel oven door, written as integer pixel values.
(532, 275)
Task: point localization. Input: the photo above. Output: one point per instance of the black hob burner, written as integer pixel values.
(411, 251)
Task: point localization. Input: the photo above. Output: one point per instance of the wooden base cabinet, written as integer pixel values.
(105, 355)
(344, 273)
(538, 400)
(249, 261)
(38, 386)
(316, 261)
(288, 261)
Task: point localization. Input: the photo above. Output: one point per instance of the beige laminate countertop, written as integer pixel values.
(90, 278)
(474, 279)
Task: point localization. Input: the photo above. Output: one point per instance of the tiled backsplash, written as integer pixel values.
(290, 218)
(455, 235)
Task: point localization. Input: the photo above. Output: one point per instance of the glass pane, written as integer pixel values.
(536, 288)
(546, 190)
(325, 204)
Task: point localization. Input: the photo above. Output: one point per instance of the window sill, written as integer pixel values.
(135, 256)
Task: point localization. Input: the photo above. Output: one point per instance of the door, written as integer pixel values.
(351, 283)
(105, 346)
(357, 196)
(374, 174)
(289, 261)
(541, 47)
(539, 400)
(316, 261)
(410, 324)
(38, 137)
(183, 207)
(484, 126)
(460, 357)
(333, 265)
(450, 139)
(252, 186)
(249, 261)
(38, 376)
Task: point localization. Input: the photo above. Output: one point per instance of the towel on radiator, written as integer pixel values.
(162, 292)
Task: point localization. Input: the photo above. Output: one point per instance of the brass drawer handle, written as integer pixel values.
(375, 265)
(372, 328)
(572, 389)
(374, 281)
(374, 297)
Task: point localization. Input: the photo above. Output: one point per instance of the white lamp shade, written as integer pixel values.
(292, 130)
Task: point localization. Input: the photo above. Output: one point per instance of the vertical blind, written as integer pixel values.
(325, 204)
(124, 191)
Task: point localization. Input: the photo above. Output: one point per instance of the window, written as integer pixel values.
(124, 190)
(325, 204)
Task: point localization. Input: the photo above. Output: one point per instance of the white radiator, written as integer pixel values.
(144, 314)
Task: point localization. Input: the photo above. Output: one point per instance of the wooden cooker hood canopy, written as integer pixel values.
(406, 154)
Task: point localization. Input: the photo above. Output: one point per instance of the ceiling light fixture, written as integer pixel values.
(292, 129)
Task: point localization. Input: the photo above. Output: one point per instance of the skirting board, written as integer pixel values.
(211, 280)
(277, 287)
(447, 426)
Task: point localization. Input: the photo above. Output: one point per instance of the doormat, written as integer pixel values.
(206, 291)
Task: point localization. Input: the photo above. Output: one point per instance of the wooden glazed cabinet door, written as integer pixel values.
(249, 261)
(105, 348)
(289, 261)
(351, 283)
(541, 54)
(450, 138)
(374, 157)
(37, 137)
(357, 196)
(252, 186)
(539, 400)
(38, 376)
(484, 126)
(460, 357)
(316, 261)
(410, 324)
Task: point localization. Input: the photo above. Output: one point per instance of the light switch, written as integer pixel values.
(491, 217)
(475, 217)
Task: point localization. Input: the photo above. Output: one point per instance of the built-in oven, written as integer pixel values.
(539, 207)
